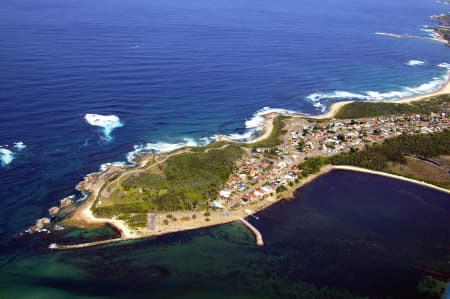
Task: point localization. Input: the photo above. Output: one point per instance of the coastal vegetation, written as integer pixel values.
(383, 157)
(275, 137)
(444, 20)
(313, 165)
(432, 288)
(224, 180)
(368, 109)
(212, 145)
(378, 156)
(185, 181)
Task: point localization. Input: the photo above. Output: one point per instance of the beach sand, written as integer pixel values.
(84, 214)
(445, 89)
(393, 176)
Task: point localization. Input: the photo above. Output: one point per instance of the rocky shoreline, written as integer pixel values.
(93, 182)
(443, 31)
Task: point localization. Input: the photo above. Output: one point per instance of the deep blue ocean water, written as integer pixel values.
(177, 71)
(346, 235)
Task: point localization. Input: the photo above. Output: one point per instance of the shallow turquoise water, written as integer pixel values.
(176, 71)
(345, 235)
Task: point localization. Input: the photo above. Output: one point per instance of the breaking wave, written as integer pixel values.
(431, 32)
(20, 146)
(404, 92)
(107, 122)
(163, 147)
(6, 156)
(253, 126)
(104, 166)
(256, 123)
(415, 62)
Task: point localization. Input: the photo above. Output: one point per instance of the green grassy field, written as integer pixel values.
(275, 137)
(367, 109)
(185, 181)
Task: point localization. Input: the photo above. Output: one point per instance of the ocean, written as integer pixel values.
(83, 83)
(345, 235)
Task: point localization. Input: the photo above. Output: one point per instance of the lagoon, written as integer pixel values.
(345, 235)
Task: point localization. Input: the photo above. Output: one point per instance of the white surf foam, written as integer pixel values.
(105, 166)
(444, 65)
(6, 156)
(256, 123)
(162, 147)
(107, 122)
(338, 94)
(403, 92)
(20, 146)
(316, 98)
(415, 62)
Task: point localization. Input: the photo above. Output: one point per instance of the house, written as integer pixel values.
(253, 197)
(225, 193)
(281, 165)
(267, 189)
(217, 204)
(241, 187)
(289, 177)
(265, 165)
(259, 193)
(253, 172)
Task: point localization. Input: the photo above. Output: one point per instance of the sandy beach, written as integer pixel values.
(439, 38)
(93, 183)
(393, 176)
(264, 131)
(445, 89)
(267, 127)
(85, 216)
(334, 108)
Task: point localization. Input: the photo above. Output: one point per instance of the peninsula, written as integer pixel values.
(440, 33)
(227, 181)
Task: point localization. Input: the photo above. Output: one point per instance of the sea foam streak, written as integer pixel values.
(105, 166)
(6, 156)
(163, 147)
(414, 62)
(253, 125)
(107, 122)
(431, 32)
(256, 123)
(20, 146)
(404, 92)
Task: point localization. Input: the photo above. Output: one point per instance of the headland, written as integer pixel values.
(227, 181)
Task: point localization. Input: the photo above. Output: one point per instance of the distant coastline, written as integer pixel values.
(94, 182)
